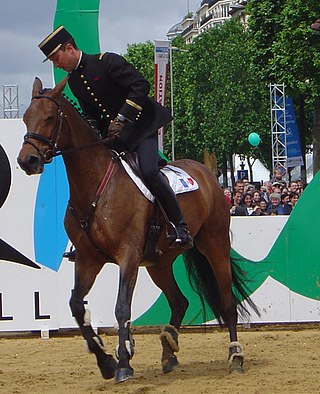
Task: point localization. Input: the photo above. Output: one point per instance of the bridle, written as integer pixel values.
(54, 150)
(52, 142)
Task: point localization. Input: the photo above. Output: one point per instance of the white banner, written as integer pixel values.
(161, 60)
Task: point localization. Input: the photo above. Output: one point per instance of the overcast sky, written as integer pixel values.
(24, 23)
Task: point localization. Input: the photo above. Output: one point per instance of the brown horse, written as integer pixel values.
(108, 220)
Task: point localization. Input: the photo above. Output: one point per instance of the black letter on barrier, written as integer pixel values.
(1, 316)
(37, 315)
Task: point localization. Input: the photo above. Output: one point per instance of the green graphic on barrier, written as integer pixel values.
(294, 261)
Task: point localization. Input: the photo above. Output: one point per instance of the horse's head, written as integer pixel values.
(43, 119)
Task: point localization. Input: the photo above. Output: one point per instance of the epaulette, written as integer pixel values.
(101, 55)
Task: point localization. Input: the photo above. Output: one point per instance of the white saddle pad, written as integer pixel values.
(179, 180)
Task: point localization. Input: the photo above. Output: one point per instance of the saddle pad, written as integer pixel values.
(179, 180)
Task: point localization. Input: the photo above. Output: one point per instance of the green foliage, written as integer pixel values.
(221, 81)
(288, 51)
(218, 100)
(142, 57)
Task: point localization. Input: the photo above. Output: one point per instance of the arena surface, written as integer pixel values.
(278, 360)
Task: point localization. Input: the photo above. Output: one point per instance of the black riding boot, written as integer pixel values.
(167, 198)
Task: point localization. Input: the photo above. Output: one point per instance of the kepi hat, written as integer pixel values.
(54, 41)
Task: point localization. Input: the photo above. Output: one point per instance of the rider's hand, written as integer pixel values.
(114, 129)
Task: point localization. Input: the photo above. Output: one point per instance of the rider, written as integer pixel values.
(114, 94)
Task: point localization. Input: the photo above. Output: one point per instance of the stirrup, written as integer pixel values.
(176, 239)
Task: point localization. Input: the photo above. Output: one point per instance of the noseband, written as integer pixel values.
(51, 142)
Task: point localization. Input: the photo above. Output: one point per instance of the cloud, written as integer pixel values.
(24, 23)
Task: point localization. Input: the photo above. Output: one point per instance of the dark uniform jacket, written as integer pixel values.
(105, 85)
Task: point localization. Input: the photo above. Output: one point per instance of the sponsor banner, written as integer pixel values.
(36, 282)
(294, 155)
(161, 60)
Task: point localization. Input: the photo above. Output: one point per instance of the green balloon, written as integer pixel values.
(254, 139)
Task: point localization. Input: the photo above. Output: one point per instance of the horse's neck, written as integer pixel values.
(85, 167)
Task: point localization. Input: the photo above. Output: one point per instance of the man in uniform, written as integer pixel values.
(115, 95)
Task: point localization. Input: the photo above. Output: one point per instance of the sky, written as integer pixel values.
(24, 23)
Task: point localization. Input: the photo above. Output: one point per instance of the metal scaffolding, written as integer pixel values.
(278, 127)
(10, 101)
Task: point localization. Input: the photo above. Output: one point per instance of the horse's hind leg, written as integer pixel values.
(85, 275)
(163, 277)
(219, 259)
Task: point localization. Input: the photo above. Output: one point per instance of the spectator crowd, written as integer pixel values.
(274, 197)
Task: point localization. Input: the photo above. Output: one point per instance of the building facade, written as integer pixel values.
(210, 14)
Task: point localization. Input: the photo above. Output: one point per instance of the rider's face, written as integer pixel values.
(66, 59)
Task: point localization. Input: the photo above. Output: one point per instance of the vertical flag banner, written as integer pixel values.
(161, 60)
(293, 147)
(292, 136)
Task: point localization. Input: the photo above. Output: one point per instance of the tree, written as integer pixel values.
(220, 100)
(142, 57)
(288, 52)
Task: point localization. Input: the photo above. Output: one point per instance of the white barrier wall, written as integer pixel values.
(37, 299)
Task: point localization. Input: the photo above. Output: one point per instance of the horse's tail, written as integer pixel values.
(203, 281)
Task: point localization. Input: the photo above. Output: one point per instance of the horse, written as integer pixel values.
(105, 228)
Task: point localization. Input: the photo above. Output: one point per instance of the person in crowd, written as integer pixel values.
(275, 204)
(293, 187)
(115, 95)
(237, 198)
(256, 196)
(263, 207)
(228, 196)
(287, 208)
(239, 186)
(245, 181)
(245, 208)
(268, 184)
(277, 187)
(301, 186)
(256, 209)
(278, 176)
(273, 212)
(293, 197)
(249, 188)
(264, 193)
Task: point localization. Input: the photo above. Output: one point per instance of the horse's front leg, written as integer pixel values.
(125, 349)
(85, 275)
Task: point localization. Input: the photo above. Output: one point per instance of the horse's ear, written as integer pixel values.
(37, 87)
(57, 90)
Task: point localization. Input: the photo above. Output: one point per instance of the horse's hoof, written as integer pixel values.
(108, 367)
(123, 374)
(170, 364)
(237, 365)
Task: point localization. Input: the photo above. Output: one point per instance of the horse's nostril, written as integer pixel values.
(29, 163)
(33, 160)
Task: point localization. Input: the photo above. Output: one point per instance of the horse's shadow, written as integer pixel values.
(149, 377)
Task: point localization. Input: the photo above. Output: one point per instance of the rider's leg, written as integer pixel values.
(160, 188)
